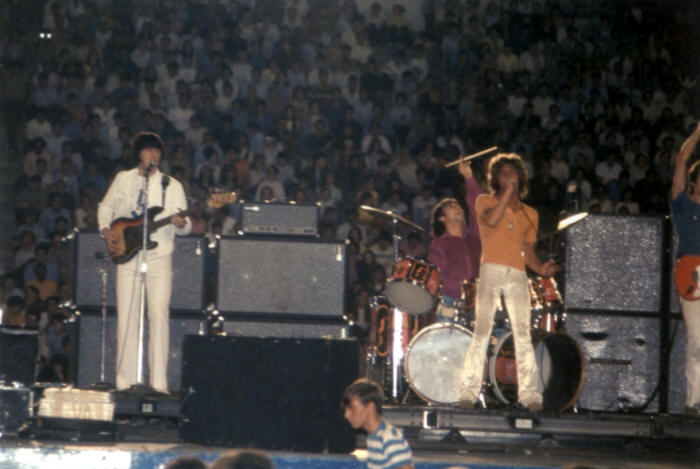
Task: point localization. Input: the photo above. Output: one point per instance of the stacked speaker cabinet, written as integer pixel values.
(190, 261)
(614, 291)
(88, 352)
(281, 276)
(91, 258)
(271, 393)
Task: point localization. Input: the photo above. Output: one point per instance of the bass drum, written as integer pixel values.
(560, 364)
(434, 360)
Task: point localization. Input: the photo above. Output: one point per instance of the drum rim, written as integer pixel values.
(396, 304)
(543, 334)
(405, 366)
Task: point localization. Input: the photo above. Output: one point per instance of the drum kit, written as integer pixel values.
(418, 342)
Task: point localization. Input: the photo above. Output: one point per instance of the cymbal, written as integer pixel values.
(570, 220)
(392, 215)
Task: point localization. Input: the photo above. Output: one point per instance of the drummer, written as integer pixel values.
(455, 247)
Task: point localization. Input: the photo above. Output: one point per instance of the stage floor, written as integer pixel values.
(440, 438)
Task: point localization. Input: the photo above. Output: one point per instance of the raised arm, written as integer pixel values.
(681, 166)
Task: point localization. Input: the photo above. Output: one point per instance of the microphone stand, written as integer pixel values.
(142, 284)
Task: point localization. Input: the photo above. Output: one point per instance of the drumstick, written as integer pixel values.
(470, 157)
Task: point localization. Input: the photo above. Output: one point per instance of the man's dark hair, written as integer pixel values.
(437, 226)
(146, 140)
(186, 462)
(243, 459)
(365, 391)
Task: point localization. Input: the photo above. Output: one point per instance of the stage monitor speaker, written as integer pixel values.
(189, 268)
(281, 276)
(19, 351)
(613, 263)
(275, 394)
(621, 360)
(88, 350)
(279, 219)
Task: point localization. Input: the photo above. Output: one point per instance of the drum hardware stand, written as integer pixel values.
(396, 353)
(104, 275)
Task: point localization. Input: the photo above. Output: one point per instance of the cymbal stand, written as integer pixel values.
(396, 354)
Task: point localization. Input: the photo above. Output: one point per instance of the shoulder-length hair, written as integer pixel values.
(498, 162)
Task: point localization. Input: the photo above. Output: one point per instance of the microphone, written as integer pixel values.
(165, 181)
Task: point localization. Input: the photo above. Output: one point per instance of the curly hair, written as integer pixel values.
(498, 162)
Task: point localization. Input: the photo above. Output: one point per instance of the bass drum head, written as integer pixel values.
(434, 360)
(560, 364)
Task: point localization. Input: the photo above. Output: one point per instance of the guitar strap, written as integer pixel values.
(164, 183)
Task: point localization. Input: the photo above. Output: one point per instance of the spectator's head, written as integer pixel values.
(243, 459)
(186, 462)
(362, 403)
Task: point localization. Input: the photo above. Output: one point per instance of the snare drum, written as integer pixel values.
(434, 360)
(413, 286)
(560, 366)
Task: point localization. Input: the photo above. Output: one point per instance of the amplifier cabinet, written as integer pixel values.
(91, 258)
(614, 263)
(281, 276)
(279, 219)
(89, 346)
(276, 394)
(621, 354)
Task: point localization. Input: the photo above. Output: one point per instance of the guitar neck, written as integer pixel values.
(167, 220)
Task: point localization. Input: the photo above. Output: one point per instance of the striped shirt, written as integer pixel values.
(387, 448)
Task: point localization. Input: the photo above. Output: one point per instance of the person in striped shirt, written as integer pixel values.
(386, 446)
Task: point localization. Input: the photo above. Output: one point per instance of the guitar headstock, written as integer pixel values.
(219, 199)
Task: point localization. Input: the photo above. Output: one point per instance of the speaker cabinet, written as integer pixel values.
(276, 394)
(281, 276)
(676, 365)
(290, 329)
(16, 405)
(19, 351)
(613, 263)
(621, 360)
(88, 351)
(189, 267)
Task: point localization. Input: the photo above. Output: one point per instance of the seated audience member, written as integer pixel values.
(243, 459)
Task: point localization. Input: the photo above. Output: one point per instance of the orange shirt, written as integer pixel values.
(504, 243)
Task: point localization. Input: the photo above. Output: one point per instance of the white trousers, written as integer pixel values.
(158, 289)
(691, 315)
(496, 280)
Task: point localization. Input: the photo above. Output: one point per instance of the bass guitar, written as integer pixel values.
(686, 274)
(129, 230)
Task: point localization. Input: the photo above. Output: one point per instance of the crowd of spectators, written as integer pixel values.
(335, 102)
